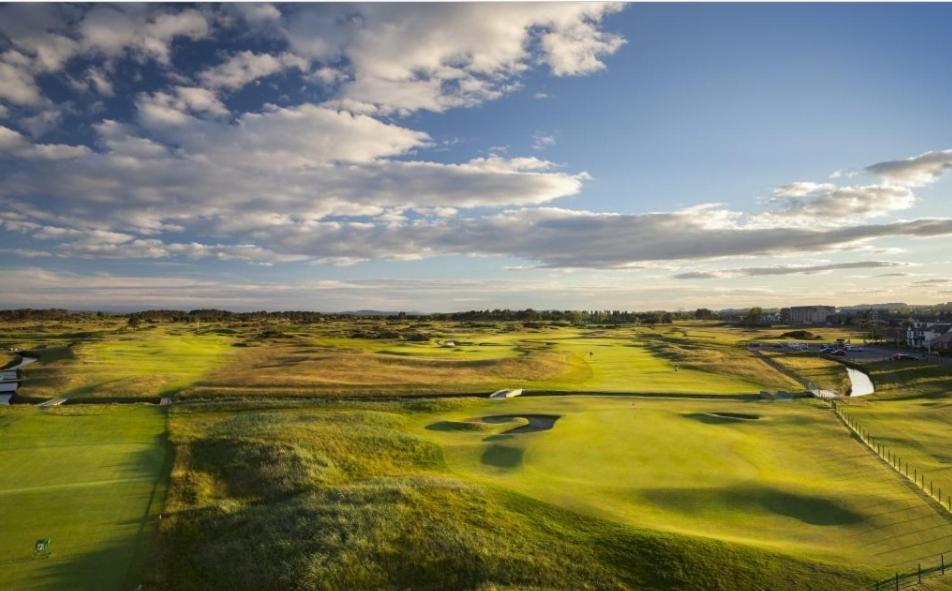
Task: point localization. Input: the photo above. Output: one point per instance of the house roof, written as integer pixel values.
(943, 339)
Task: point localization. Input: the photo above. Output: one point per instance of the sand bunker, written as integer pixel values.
(536, 422)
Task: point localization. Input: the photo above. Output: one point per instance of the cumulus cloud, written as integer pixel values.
(307, 162)
(12, 143)
(44, 39)
(442, 56)
(162, 109)
(247, 66)
(345, 178)
(916, 171)
(808, 203)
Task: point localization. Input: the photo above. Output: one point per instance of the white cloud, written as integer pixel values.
(807, 204)
(247, 66)
(13, 143)
(45, 39)
(307, 162)
(165, 109)
(787, 270)
(916, 171)
(111, 30)
(17, 84)
(541, 141)
(442, 56)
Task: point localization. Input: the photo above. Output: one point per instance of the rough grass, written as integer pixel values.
(89, 478)
(910, 379)
(106, 359)
(827, 374)
(353, 500)
(145, 362)
(733, 361)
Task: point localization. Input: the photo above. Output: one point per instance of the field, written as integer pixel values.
(89, 478)
(148, 362)
(912, 415)
(780, 476)
(361, 496)
(825, 373)
(642, 461)
(105, 358)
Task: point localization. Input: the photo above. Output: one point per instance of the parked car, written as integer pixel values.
(904, 357)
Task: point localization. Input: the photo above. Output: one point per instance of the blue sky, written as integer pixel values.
(446, 157)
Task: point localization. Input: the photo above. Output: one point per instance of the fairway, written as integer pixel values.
(146, 362)
(88, 478)
(459, 359)
(780, 476)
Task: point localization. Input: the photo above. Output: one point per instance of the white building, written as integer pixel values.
(921, 334)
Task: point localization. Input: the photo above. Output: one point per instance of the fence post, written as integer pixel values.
(942, 562)
(919, 572)
(897, 581)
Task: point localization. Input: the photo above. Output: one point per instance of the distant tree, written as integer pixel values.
(703, 314)
(134, 322)
(754, 315)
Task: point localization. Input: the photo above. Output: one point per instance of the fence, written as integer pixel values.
(895, 461)
(903, 580)
(916, 477)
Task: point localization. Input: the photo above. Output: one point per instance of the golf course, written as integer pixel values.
(366, 454)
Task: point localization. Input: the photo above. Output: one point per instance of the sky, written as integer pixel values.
(446, 157)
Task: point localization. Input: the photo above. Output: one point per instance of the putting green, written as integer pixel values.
(780, 476)
(88, 478)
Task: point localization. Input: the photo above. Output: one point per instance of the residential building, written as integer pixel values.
(807, 315)
(922, 334)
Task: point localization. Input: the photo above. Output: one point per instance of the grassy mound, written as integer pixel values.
(350, 500)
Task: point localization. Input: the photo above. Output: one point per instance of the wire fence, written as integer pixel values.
(923, 484)
(902, 467)
(913, 578)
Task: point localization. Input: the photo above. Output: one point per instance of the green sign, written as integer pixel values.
(42, 546)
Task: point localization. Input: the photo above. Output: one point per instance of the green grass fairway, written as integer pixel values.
(145, 362)
(626, 365)
(791, 480)
(307, 362)
(90, 479)
(919, 430)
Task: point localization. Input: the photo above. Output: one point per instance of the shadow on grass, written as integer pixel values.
(502, 456)
(810, 509)
(459, 426)
(723, 418)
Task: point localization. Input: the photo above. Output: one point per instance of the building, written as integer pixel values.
(921, 335)
(805, 315)
(942, 343)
